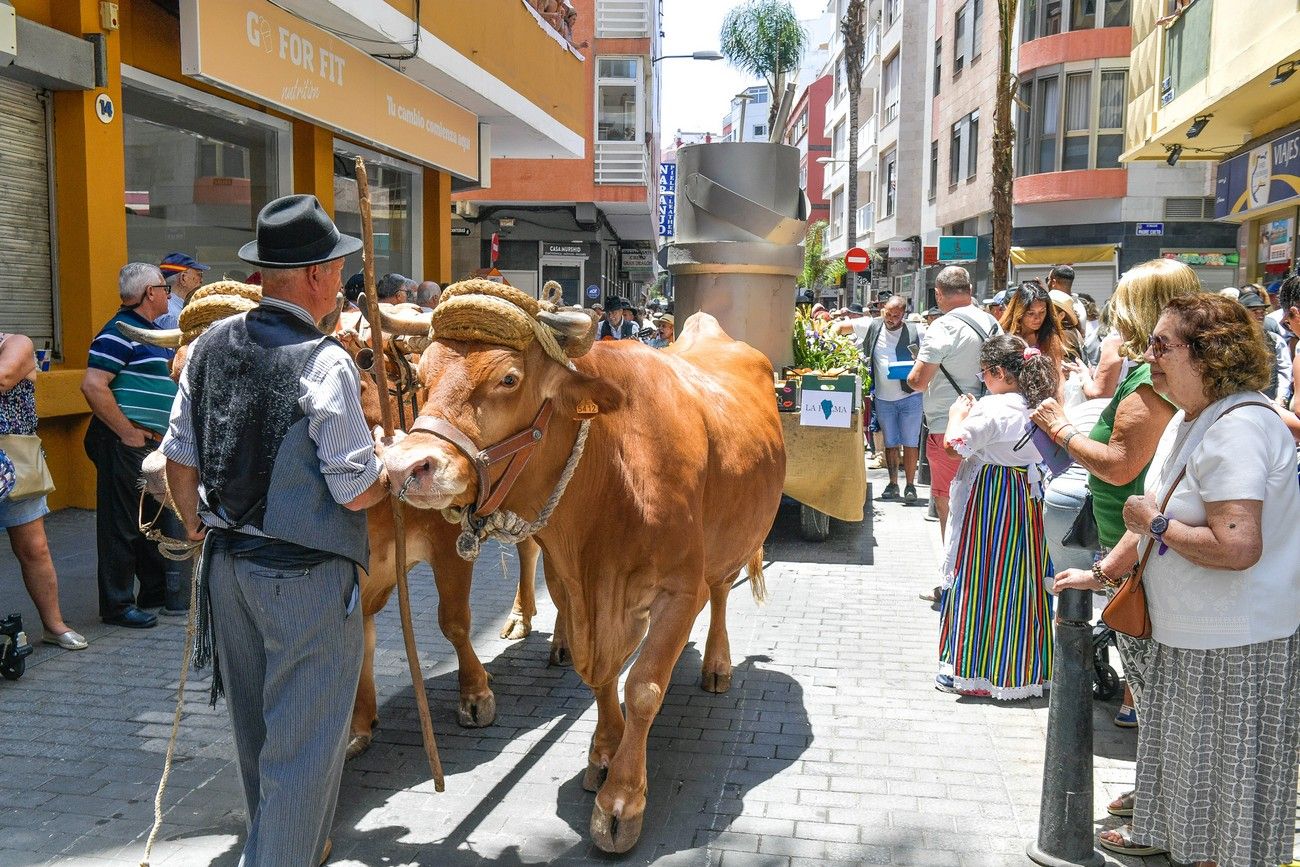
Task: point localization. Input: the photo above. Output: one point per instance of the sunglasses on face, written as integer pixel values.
(1158, 346)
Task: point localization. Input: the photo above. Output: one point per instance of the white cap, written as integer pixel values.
(1230, 292)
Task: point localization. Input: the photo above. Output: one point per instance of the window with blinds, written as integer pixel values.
(26, 266)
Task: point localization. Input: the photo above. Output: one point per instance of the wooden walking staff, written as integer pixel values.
(399, 528)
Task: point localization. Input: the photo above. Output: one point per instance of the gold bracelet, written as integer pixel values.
(1105, 580)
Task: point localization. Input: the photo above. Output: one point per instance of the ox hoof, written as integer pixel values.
(358, 744)
(477, 713)
(615, 833)
(715, 681)
(517, 627)
(595, 776)
(560, 655)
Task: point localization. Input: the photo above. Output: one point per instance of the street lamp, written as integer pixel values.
(695, 55)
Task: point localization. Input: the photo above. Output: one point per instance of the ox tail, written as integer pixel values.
(757, 583)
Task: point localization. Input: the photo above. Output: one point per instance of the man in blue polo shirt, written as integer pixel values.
(130, 391)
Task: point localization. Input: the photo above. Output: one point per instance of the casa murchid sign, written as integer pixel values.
(256, 49)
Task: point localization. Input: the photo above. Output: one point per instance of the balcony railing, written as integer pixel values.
(624, 163)
(867, 143)
(622, 19)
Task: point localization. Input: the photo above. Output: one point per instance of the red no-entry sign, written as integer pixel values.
(857, 259)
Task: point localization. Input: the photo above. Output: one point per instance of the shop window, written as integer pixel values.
(395, 209)
(198, 171)
(618, 99)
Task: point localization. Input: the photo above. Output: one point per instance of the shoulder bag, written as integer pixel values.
(1127, 610)
(1083, 532)
(33, 477)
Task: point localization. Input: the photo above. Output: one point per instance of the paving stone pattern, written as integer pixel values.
(831, 747)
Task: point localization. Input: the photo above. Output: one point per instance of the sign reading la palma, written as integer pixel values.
(257, 49)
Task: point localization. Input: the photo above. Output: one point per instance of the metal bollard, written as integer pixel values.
(1065, 826)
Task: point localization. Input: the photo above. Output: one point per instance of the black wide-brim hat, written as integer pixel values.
(294, 232)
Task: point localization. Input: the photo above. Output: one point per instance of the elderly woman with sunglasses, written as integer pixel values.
(1120, 446)
(1220, 741)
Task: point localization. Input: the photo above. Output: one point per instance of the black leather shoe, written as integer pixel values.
(133, 618)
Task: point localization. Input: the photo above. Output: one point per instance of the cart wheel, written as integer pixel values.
(13, 670)
(1105, 683)
(814, 526)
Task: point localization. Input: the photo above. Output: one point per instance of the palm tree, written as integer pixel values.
(852, 28)
(1004, 135)
(764, 39)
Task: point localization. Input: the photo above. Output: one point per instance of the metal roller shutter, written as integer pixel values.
(1097, 280)
(26, 284)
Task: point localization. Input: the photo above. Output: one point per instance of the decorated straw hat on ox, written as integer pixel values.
(482, 311)
(206, 305)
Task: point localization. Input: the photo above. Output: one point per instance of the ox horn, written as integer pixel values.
(573, 324)
(169, 338)
(414, 325)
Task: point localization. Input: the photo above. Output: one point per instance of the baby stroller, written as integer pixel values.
(1105, 679)
(14, 647)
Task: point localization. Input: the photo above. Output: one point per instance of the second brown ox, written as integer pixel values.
(678, 485)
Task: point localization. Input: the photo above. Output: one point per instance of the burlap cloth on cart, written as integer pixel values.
(825, 467)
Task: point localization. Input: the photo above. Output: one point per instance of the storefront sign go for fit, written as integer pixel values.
(257, 49)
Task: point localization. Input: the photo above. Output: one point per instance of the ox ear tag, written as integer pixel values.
(586, 409)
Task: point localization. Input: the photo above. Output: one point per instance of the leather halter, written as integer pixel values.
(516, 449)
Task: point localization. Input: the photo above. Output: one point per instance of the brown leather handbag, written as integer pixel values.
(1127, 610)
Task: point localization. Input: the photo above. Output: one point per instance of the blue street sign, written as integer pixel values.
(1151, 228)
(593, 291)
(958, 248)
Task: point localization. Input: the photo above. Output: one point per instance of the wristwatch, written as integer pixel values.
(1159, 526)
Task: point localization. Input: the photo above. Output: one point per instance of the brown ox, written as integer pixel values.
(677, 488)
(429, 538)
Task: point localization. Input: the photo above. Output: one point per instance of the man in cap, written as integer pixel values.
(1279, 387)
(269, 457)
(129, 388)
(183, 275)
(997, 305)
(853, 320)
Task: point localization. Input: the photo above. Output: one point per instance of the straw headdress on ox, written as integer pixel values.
(206, 305)
(482, 311)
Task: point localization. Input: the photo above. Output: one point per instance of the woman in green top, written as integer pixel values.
(1120, 447)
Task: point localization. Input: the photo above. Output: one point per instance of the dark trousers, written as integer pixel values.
(124, 553)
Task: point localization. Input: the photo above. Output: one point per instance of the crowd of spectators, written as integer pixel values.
(1178, 406)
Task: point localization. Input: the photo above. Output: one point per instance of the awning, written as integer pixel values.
(1063, 255)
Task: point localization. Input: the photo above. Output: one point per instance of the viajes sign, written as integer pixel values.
(1263, 176)
(257, 49)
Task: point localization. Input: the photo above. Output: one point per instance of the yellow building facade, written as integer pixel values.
(143, 127)
(1210, 80)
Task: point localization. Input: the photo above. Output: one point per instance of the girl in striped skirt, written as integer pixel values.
(996, 634)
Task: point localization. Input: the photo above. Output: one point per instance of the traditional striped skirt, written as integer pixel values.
(996, 633)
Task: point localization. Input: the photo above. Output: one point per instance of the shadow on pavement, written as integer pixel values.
(849, 543)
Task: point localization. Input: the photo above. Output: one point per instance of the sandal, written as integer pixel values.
(1126, 846)
(1123, 805)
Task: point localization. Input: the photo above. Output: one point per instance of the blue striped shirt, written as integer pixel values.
(329, 395)
(142, 384)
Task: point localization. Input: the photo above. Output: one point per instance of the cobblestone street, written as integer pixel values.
(832, 745)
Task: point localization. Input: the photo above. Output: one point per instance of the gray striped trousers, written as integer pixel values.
(290, 656)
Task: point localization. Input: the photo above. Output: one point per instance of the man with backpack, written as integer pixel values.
(897, 406)
(947, 367)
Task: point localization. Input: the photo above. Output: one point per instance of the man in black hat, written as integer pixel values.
(618, 323)
(278, 487)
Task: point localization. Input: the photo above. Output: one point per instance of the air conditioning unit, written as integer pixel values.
(468, 210)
